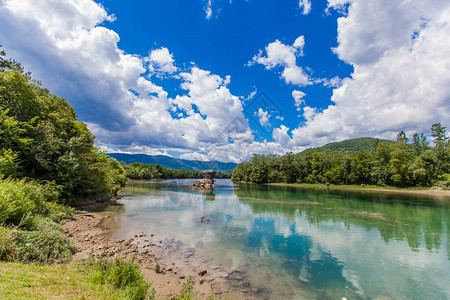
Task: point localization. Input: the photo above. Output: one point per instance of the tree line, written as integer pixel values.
(400, 164)
(156, 171)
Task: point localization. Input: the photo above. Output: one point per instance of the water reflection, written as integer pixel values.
(301, 243)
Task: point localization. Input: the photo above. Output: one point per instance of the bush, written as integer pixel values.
(45, 242)
(443, 181)
(186, 291)
(8, 165)
(22, 199)
(123, 275)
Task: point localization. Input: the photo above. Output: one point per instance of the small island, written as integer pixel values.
(205, 184)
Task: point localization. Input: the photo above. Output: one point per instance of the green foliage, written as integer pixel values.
(386, 164)
(56, 281)
(22, 200)
(8, 165)
(122, 275)
(150, 171)
(186, 291)
(43, 243)
(444, 181)
(41, 138)
(351, 146)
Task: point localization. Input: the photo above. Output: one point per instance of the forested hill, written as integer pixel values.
(350, 146)
(174, 163)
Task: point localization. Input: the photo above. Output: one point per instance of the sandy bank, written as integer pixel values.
(90, 233)
(438, 192)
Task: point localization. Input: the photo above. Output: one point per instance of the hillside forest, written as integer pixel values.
(403, 164)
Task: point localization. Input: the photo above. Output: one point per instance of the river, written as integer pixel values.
(297, 243)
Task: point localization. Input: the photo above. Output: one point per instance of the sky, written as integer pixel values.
(223, 79)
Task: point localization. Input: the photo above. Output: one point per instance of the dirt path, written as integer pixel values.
(92, 238)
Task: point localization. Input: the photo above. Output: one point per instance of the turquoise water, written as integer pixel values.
(296, 243)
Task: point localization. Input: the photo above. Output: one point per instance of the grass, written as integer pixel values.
(122, 275)
(72, 281)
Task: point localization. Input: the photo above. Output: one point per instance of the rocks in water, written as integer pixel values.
(205, 184)
(204, 220)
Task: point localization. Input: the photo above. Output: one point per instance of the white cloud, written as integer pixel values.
(282, 137)
(299, 44)
(263, 116)
(298, 98)
(400, 82)
(309, 113)
(284, 56)
(65, 45)
(208, 9)
(161, 60)
(195, 156)
(305, 5)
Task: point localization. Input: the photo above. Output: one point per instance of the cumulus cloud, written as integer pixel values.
(263, 116)
(305, 5)
(400, 81)
(65, 45)
(161, 60)
(298, 98)
(285, 57)
(282, 137)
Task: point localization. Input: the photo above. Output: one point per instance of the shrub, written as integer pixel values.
(22, 199)
(8, 165)
(186, 291)
(43, 243)
(443, 181)
(123, 275)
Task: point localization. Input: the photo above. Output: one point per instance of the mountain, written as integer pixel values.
(174, 163)
(350, 146)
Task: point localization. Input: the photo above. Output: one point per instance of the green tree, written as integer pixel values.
(439, 133)
(401, 137)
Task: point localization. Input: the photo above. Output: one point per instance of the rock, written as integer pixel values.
(202, 272)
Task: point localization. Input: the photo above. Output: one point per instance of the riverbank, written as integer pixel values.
(91, 233)
(438, 192)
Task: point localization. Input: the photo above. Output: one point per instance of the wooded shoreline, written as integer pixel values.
(426, 191)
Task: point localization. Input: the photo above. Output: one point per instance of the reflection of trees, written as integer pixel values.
(209, 195)
(324, 275)
(397, 217)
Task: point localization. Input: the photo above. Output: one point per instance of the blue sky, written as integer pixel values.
(225, 79)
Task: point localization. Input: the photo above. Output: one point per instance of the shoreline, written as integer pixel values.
(438, 192)
(92, 236)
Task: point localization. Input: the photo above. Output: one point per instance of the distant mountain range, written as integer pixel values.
(174, 163)
(349, 146)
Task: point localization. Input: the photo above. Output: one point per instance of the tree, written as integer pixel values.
(439, 133)
(40, 133)
(401, 137)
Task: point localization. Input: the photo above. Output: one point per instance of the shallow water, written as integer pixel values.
(296, 243)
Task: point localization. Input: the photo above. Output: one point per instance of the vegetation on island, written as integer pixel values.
(400, 164)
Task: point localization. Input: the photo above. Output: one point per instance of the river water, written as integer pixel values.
(298, 243)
